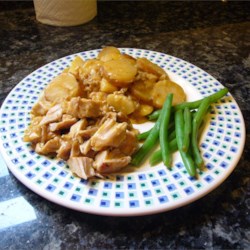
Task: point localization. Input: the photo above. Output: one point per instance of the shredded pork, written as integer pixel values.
(93, 142)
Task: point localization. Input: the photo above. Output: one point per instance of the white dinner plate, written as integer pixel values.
(145, 190)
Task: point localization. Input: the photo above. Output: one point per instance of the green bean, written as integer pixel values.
(186, 157)
(172, 135)
(148, 145)
(187, 129)
(171, 127)
(144, 135)
(163, 135)
(154, 115)
(198, 118)
(173, 145)
(157, 155)
(153, 135)
(192, 105)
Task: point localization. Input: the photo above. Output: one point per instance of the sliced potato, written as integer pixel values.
(142, 90)
(146, 65)
(121, 103)
(90, 75)
(62, 87)
(119, 72)
(144, 109)
(66, 70)
(131, 59)
(163, 88)
(90, 68)
(75, 65)
(109, 53)
(107, 87)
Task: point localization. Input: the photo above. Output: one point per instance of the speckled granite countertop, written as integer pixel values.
(212, 35)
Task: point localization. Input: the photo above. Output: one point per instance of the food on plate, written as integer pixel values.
(119, 72)
(79, 131)
(188, 118)
(84, 115)
(163, 131)
(162, 88)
